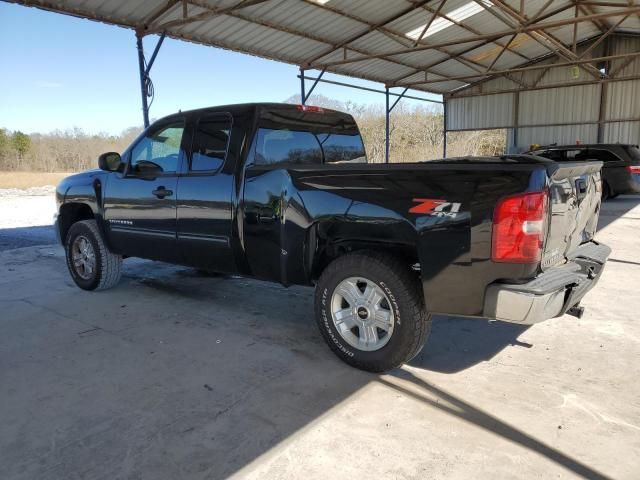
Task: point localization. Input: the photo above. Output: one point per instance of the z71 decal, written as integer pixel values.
(435, 207)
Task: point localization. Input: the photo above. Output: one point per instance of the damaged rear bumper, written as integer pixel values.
(551, 293)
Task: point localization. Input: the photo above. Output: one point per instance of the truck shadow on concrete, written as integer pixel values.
(408, 384)
(457, 343)
(170, 375)
(19, 237)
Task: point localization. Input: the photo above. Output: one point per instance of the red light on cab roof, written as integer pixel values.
(310, 108)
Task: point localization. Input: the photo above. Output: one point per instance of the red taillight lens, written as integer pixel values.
(310, 108)
(519, 227)
(633, 169)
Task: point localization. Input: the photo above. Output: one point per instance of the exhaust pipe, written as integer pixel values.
(577, 311)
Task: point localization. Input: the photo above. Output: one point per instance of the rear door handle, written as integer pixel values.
(162, 192)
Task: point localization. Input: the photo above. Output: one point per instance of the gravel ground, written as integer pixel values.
(26, 217)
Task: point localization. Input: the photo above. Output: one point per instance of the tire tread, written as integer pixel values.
(410, 289)
(110, 263)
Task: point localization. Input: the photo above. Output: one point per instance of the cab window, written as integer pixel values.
(287, 146)
(210, 143)
(159, 151)
(340, 148)
(307, 148)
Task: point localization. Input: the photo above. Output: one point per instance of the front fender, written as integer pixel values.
(77, 193)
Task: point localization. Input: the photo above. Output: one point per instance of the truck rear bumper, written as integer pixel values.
(551, 293)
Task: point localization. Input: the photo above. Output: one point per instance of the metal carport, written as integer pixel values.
(463, 50)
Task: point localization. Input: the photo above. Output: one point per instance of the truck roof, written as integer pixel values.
(238, 108)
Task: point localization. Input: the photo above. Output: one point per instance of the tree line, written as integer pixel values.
(415, 132)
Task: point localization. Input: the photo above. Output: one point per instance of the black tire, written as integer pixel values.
(108, 266)
(606, 191)
(412, 323)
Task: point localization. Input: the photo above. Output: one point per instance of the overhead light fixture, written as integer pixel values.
(458, 15)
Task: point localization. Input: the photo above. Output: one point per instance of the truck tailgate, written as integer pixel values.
(574, 196)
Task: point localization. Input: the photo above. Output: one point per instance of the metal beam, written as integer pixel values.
(206, 15)
(477, 38)
(556, 124)
(368, 89)
(434, 15)
(463, 78)
(521, 21)
(304, 96)
(163, 10)
(371, 28)
(155, 53)
(400, 38)
(547, 87)
(398, 99)
(603, 37)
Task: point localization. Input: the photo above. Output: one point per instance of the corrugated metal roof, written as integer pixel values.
(356, 37)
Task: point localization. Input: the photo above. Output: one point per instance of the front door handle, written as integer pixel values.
(162, 192)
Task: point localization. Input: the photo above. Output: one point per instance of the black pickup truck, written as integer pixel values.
(283, 193)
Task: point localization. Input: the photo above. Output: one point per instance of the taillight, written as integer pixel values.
(310, 108)
(633, 169)
(519, 228)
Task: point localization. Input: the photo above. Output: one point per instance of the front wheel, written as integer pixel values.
(370, 311)
(91, 265)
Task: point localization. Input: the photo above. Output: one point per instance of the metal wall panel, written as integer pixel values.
(623, 100)
(560, 135)
(622, 132)
(549, 107)
(491, 111)
(559, 105)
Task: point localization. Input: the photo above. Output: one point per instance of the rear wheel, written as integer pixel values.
(91, 265)
(370, 311)
(606, 191)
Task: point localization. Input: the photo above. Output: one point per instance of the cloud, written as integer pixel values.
(44, 84)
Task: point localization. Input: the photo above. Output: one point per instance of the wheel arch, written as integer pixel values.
(71, 213)
(335, 248)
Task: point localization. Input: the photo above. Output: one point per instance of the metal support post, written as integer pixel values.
(303, 97)
(516, 121)
(386, 126)
(145, 69)
(444, 127)
(143, 80)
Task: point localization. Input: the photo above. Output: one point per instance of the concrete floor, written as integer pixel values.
(176, 376)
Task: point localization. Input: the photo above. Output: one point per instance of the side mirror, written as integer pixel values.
(110, 162)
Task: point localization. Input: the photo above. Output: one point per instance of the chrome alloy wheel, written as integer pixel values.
(83, 257)
(362, 314)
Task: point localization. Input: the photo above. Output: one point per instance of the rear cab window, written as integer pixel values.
(293, 137)
(210, 143)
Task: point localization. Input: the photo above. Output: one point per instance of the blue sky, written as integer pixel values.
(62, 72)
